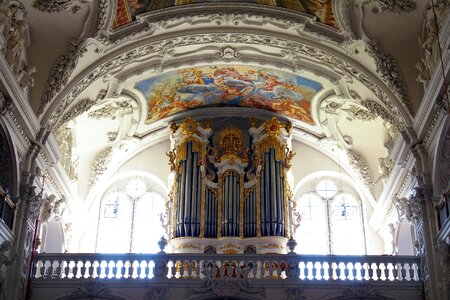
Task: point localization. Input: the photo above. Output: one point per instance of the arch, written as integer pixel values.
(302, 51)
(9, 166)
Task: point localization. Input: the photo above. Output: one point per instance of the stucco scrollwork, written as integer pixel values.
(388, 69)
(91, 290)
(360, 165)
(157, 293)
(100, 165)
(80, 107)
(294, 293)
(395, 6)
(361, 291)
(111, 110)
(52, 6)
(61, 71)
(355, 112)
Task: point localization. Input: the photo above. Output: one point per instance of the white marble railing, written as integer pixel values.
(201, 266)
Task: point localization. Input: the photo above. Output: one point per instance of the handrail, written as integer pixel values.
(241, 267)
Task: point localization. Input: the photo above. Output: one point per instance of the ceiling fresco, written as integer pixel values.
(245, 86)
(127, 10)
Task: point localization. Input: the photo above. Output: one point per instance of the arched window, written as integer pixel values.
(130, 219)
(331, 221)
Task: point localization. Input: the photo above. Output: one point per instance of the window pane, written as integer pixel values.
(326, 189)
(114, 225)
(136, 188)
(311, 236)
(147, 223)
(346, 226)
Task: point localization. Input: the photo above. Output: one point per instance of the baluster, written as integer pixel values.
(349, 274)
(383, 271)
(35, 269)
(48, 266)
(57, 270)
(341, 269)
(67, 269)
(302, 270)
(137, 269)
(326, 269)
(318, 268)
(274, 269)
(266, 271)
(83, 267)
(192, 266)
(147, 269)
(121, 271)
(131, 269)
(98, 269)
(186, 269)
(398, 272)
(91, 268)
(283, 267)
(310, 270)
(389, 272)
(198, 269)
(416, 276)
(366, 268)
(358, 271)
(75, 269)
(379, 270)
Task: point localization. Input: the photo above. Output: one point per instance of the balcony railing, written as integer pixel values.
(331, 268)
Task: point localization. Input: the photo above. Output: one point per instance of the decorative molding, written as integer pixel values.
(226, 286)
(294, 293)
(54, 6)
(437, 112)
(157, 293)
(79, 108)
(91, 290)
(375, 108)
(223, 13)
(111, 110)
(355, 112)
(360, 165)
(361, 291)
(102, 16)
(388, 69)
(61, 71)
(100, 165)
(395, 6)
(339, 64)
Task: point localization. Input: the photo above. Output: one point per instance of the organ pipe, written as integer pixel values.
(230, 203)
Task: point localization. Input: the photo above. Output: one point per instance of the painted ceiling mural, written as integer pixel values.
(127, 10)
(246, 86)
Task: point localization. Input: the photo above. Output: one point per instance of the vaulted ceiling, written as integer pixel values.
(115, 73)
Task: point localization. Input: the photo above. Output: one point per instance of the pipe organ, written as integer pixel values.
(230, 189)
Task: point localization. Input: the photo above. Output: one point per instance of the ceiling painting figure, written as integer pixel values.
(127, 10)
(244, 86)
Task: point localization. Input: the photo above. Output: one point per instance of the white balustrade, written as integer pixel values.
(245, 267)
